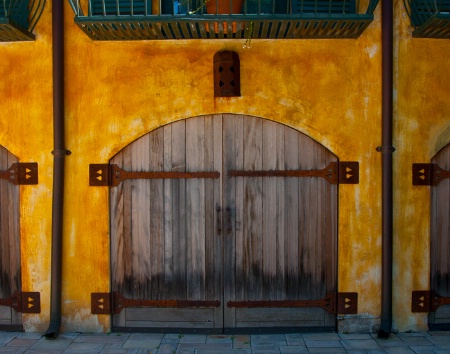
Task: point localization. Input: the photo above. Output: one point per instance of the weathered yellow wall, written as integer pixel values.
(327, 89)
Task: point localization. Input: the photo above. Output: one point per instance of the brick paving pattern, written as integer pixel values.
(154, 343)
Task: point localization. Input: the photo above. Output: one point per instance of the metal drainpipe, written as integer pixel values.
(387, 150)
(59, 153)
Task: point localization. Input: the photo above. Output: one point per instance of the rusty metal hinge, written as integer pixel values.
(114, 303)
(25, 302)
(427, 301)
(428, 174)
(23, 173)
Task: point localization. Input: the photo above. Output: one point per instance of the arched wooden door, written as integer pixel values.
(223, 238)
(440, 240)
(10, 276)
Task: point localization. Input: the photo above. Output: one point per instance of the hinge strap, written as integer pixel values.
(113, 175)
(343, 172)
(25, 302)
(336, 303)
(23, 173)
(428, 174)
(114, 303)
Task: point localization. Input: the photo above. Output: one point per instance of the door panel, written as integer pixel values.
(282, 242)
(161, 228)
(440, 238)
(227, 239)
(10, 276)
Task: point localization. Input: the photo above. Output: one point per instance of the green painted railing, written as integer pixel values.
(195, 19)
(18, 19)
(430, 18)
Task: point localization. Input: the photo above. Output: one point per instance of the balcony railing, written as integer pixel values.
(210, 19)
(430, 18)
(18, 19)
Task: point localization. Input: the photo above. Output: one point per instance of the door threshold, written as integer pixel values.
(231, 331)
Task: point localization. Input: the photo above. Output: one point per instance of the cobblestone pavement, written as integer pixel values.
(139, 343)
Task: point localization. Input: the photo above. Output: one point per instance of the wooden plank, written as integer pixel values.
(292, 215)
(281, 226)
(269, 211)
(195, 195)
(155, 241)
(216, 246)
(140, 233)
(252, 206)
(178, 207)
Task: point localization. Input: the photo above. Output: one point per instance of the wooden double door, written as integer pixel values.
(440, 240)
(218, 240)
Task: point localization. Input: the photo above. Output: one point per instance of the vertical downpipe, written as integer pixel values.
(387, 150)
(59, 153)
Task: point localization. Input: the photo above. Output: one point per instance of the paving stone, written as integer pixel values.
(295, 339)
(399, 350)
(321, 336)
(99, 338)
(265, 351)
(205, 345)
(167, 348)
(323, 343)
(262, 339)
(171, 338)
(290, 349)
(146, 336)
(59, 343)
(184, 351)
(84, 348)
(42, 351)
(413, 334)
(21, 342)
(356, 336)
(223, 351)
(360, 344)
(327, 350)
(193, 338)
(29, 335)
(144, 344)
(107, 350)
(6, 337)
(217, 338)
(241, 341)
(12, 350)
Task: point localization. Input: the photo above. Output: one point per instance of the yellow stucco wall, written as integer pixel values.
(327, 89)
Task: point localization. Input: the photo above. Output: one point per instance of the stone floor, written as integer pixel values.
(138, 343)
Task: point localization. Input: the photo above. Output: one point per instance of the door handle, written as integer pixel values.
(219, 219)
(228, 219)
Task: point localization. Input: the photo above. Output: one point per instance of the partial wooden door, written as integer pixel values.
(10, 275)
(440, 239)
(281, 232)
